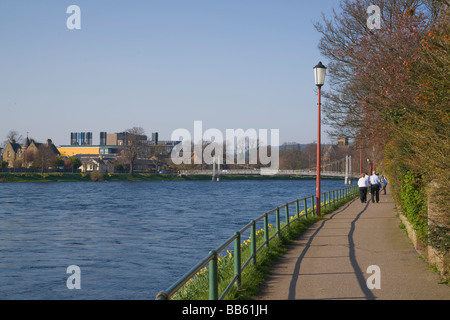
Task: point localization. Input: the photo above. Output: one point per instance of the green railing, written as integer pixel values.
(329, 198)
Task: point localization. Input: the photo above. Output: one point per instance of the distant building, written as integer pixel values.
(80, 138)
(12, 154)
(112, 146)
(89, 164)
(71, 151)
(342, 141)
(17, 155)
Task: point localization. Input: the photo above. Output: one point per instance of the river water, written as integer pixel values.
(130, 239)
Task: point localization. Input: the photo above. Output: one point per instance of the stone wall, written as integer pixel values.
(436, 218)
(439, 258)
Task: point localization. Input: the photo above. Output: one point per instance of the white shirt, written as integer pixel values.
(374, 179)
(362, 182)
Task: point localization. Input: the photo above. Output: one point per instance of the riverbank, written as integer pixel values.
(74, 177)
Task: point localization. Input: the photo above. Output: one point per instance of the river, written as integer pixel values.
(130, 239)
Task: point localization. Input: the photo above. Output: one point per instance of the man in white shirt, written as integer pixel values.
(362, 184)
(374, 186)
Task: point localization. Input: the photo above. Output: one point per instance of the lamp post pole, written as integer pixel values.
(319, 73)
(360, 159)
(318, 157)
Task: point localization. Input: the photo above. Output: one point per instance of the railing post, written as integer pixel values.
(305, 206)
(213, 285)
(322, 198)
(312, 206)
(237, 259)
(266, 230)
(277, 222)
(329, 198)
(286, 212)
(297, 209)
(253, 242)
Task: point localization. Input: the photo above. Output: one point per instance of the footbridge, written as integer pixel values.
(267, 171)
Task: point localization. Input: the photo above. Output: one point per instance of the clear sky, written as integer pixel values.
(160, 65)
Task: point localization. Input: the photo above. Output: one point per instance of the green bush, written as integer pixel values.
(414, 204)
(96, 176)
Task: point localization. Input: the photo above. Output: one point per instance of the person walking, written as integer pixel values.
(384, 182)
(375, 187)
(362, 184)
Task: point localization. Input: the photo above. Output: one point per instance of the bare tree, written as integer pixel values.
(12, 135)
(366, 77)
(290, 156)
(44, 157)
(136, 146)
(28, 158)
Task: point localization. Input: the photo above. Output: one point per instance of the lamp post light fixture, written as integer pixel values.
(319, 74)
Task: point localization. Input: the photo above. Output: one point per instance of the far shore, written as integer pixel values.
(100, 177)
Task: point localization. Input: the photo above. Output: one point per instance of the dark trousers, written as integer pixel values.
(363, 194)
(375, 191)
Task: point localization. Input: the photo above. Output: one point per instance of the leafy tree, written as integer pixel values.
(72, 163)
(59, 162)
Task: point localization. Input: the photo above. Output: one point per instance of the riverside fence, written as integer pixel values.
(302, 207)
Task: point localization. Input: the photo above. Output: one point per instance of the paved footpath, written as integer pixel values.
(331, 260)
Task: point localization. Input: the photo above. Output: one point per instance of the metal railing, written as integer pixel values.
(329, 199)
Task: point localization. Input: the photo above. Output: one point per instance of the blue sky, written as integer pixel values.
(160, 65)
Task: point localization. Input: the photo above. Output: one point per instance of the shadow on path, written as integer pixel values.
(358, 272)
